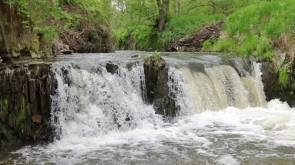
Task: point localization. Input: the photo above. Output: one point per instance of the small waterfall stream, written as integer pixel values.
(221, 86)
(101, 117)
(93, 102)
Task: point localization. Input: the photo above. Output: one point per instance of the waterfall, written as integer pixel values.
(90, 101)
(218, 87)
(101, 116)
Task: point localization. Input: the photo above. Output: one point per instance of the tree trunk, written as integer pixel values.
(213, 6)
(163, 8)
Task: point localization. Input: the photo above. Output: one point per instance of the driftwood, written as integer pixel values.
(195, 42)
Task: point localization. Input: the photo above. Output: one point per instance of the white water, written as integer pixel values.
(221, 86)
(101, 118)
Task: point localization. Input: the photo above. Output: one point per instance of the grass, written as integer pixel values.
(284, 76)
(253, 30)
(181, 26)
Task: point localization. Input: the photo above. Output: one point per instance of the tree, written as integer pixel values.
(163, 9)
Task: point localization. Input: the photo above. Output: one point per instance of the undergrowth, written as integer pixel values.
(254, 30)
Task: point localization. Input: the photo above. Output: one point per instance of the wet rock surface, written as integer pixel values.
(157, 90)
(112, 68)
(273, 89)
(25, 103)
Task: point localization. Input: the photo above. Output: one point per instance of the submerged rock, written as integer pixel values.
(112, 68)
(157, 89)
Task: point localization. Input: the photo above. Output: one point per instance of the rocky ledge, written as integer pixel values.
(25, 103)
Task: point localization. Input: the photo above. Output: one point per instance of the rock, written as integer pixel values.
(112, 68)
(157, 90)
(37, 119)
(135, 56)
(273, 89)
(67, 52)
(3, 116)
(25, 103)
(60, 48)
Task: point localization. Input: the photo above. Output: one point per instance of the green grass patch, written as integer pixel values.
(252, 31)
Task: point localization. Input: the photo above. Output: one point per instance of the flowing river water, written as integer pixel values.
(223, 116)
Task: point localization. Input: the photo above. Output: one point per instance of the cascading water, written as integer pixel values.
(92, 102)
(221, 86)
(101, 117)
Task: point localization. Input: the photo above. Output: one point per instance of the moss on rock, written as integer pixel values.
(25, 93)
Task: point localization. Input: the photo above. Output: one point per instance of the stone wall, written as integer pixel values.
(157, 90)
(25, 103)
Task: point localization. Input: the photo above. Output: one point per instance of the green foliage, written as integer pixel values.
(185, 18)
(252, 30)
(284, 76)
(181, 26)
(3, 105)
(146, 37)
(156, 56)
(251, 26)
(51, 17)
(141, 34)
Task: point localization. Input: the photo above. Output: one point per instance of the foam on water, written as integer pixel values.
(230, 136)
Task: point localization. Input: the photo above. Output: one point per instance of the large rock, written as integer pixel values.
(25, 103)
(157, 89)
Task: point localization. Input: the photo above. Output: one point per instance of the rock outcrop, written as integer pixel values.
(25, 103)
(157, 89)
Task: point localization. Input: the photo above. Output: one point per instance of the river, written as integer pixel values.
(102, 118)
